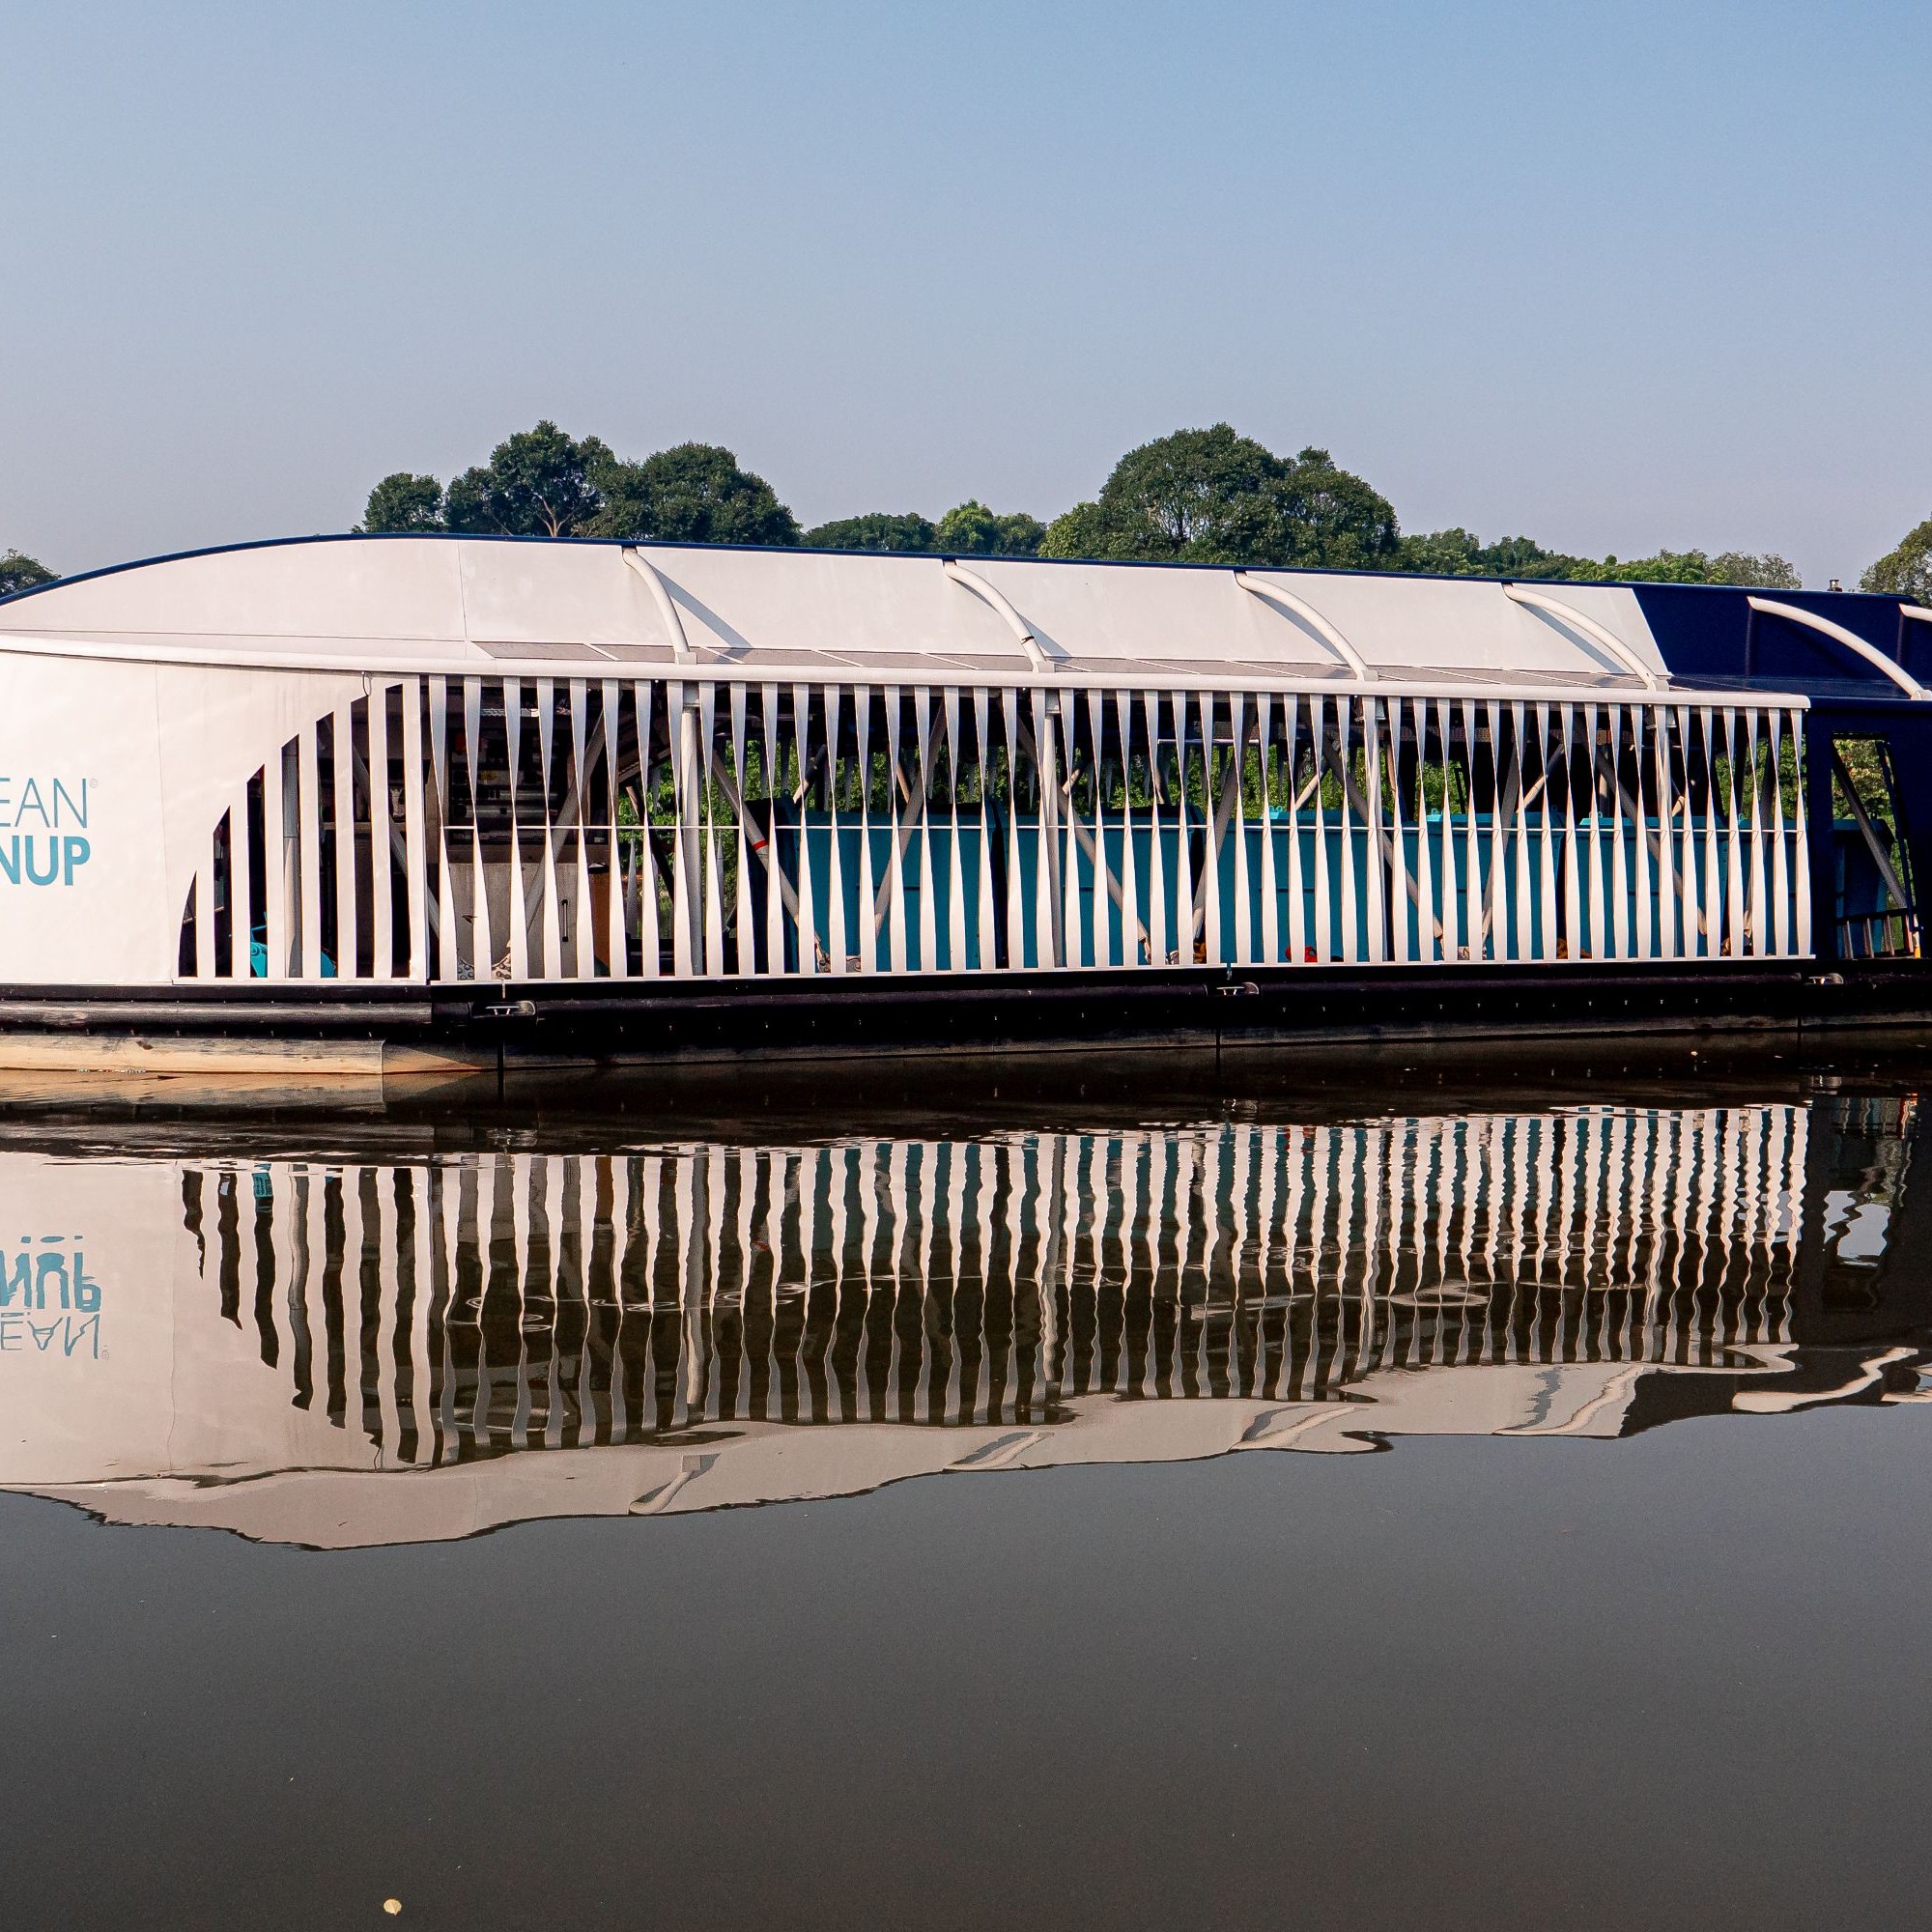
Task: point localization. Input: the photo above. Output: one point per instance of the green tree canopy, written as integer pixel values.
(20, 572)
(971, 529)
(538, 483)
(1769, 572)
(1907, 571)
(1460, 553)
(695, 494)
(1457, 553)
(405, 502)
(876, 530)
(1209, 495)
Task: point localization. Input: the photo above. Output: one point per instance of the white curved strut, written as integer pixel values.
(971, 580)
(1274, 593)
(1590, 628)
(680, 645)
(1837, 632)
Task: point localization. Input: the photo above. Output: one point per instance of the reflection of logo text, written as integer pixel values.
(48, 1277)
(40, 827)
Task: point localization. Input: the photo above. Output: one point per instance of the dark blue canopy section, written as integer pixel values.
(1710, 635)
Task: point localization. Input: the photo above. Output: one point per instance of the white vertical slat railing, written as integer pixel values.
(562, 829)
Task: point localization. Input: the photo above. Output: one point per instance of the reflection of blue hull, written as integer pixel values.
(1558, 891)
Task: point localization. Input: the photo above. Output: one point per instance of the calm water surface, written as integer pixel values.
(375, 1512)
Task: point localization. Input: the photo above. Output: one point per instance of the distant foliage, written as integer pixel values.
(1199, 496)
(973, 530)
(1907, 571)
(876, 530)
(1456, 553)
(970, 529)
(20, 572)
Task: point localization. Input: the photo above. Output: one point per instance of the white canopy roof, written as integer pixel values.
(455, 604)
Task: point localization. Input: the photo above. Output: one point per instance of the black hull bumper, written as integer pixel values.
(397, 1029)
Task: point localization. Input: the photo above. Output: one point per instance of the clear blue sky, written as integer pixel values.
(1615, 276)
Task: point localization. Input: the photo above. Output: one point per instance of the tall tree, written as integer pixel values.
(1209, 495)
(1330, 518)
(20, 572)
(538, 483)
(876, 530)
(405, 502)
(971, 529)
(1907, 571)
(695, 494)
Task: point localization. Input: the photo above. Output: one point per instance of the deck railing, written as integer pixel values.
(544, 828)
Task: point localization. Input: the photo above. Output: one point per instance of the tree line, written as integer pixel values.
(1200, 495)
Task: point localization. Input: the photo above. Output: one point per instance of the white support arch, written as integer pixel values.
(1590, 628)
(1854, 644)
(972, 581)
(680, 645)
(1274, 593)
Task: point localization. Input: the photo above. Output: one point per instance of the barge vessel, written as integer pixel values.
(373, 803)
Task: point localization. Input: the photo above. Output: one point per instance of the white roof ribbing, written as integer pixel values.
(431, 602)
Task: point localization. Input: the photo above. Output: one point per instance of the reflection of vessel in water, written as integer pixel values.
(336, 1351)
